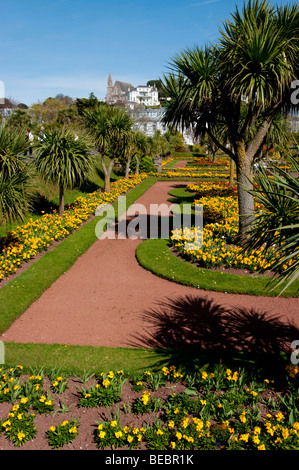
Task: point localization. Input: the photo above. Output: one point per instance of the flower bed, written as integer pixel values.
(214, 248)
(210, 409)
(36, 236)
(185, 173)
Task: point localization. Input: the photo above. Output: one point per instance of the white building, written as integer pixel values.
(123, 92)
(144, 94)
(148, 120)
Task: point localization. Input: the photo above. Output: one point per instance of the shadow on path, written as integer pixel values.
(192, 329)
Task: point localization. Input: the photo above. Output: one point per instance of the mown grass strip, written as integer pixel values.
(20, 293)
(155, 256)
(77, 359)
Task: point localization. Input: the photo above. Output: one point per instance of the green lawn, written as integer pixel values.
(20, 293)
(155, 256)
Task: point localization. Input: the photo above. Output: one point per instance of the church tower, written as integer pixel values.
(109, 89)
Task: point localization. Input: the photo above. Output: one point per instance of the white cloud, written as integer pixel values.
(204, 2)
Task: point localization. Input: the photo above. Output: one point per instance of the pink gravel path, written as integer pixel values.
(102, 299)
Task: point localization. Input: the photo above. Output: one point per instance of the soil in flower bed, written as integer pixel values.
(174, 397)
(89, 418)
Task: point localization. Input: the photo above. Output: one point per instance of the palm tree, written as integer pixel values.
(142, 148)
(14, 175)
(276, 225)
(111, 128)
(14, 195)
(64, 159)
(243, 82)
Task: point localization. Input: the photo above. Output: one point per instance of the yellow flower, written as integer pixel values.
(296, 425)
(52, 428)
(106, 383)
(185, 422)
(21, 435)
(118, 434)
(113, 424)
(279, 416)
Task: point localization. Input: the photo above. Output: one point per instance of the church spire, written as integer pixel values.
(109, 89)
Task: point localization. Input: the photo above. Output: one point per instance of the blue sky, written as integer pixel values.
(70, 46)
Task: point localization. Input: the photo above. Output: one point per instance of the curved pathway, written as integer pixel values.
(107, 299)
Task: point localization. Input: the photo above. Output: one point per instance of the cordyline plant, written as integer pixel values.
(64, 159)
(242, 82)
(276, 225)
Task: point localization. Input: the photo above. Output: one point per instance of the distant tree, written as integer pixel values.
(83, 104)
(68, 116)
(19, 119)
(48, 111)
(160, 88)
(66, 99)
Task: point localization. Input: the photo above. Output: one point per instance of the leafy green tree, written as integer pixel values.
(48, 111)
(243, 81)
(63, 158)
(82, 104)
(19, 119)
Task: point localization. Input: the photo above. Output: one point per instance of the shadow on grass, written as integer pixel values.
(192, 331)
(40, 203)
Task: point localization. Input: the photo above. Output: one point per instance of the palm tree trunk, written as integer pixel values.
(61, 200)
(137, 165)
(231, 173)
(245, 199)
(107, 173)
(128, 161)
